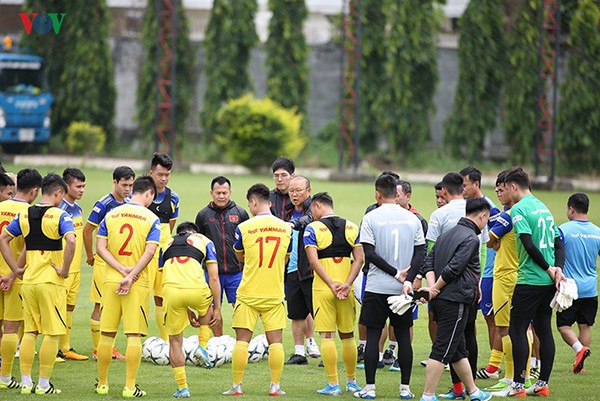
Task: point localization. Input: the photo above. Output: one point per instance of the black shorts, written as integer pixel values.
(583, 311)
(375, 311)
(530, 301)
(298, 295)
(449, 345)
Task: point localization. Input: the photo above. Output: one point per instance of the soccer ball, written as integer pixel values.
(216, 354)
(150, 343)
(159, 354)
(191, 339)
(256, 349)
(189, 351)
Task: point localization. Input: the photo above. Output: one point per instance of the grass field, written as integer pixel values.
(77, 379)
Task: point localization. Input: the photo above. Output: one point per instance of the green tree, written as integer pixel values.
(579, 115)
(520, 89)
(480, 56)
(230, 36)
(287, 52)
(185, 74)
(406, 99)
(79, 64)
(373, 72)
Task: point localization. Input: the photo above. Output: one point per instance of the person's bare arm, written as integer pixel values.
(88, 232)
(127, 282)
(68, 253)
(215, 288)
(104, 253)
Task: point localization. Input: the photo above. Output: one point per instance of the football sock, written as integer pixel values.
(105, 347)
(160, 321)
(48, 352)
(349, 354)
(180, 377)
(65, 339)
(578, 346)
(7, 352)
(299, 349)
(495, 361)
(239, 360)
(330, 359)
(27, 353)
(133, 357)
(457, 388)
(509, 362)
(203, 335)
(276, 357)
(95, 327)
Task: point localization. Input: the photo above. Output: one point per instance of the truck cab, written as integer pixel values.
(25, 100)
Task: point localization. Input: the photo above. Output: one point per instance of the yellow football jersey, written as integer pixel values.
(317, 235)
(76, 214)
(265, 241)
(128, 228)
(9, 209)
(56, 223)
(507, 259)
(185, 271)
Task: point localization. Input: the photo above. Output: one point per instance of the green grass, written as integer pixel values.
(76, 379)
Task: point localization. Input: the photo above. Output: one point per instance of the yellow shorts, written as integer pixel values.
(97, 279)
(72, 286)
(246, 316)
(11, 304)
(502, 293)
(155, 276)
(133, 307)
(333, 314)
(44, 308)
(175, 306)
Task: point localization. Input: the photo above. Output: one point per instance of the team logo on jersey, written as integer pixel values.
(234, 219)
(253, 231)
(212, 219)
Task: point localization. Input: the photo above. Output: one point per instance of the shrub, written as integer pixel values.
(84, 138)
(257, 131)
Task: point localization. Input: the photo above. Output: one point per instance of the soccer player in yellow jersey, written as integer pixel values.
(11, 304)
(123, 177)
(263, 243)
(127, 240)
(75, 180)
(185, 290)
(43, 228)
(7, 187)
(166, 207)
(329, 242)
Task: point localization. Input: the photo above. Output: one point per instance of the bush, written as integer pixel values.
(84, 138)
(257, 131)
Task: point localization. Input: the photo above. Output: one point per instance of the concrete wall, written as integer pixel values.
(325, 73)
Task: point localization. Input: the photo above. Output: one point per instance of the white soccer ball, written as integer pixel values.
(256, 349)
(217, 355)
(159, 354)
(150, 343)
(189, 352)
(191, 339)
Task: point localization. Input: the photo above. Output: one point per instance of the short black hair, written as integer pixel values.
(518, 176)
(389, 172)
(406, 187)
(473, 173)
(6, 181)
(579, 202)
(123, 173)
(477, 205)
(323, 198)
(285, 163)
(144, 183)
(71, 174)
(453, 182)
(51, 183)
(27, 179)
(220, 180)
(187, 227)
(162, 159)
(501, 179)
(258, 191)
(386, 185)
(439, 186)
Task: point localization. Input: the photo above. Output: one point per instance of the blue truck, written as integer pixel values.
(25, 100)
